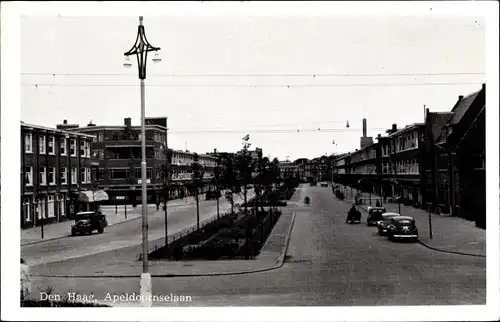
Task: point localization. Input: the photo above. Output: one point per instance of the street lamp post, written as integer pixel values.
(141, 49)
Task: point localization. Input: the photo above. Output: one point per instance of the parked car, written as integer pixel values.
(88, 221)
(375, 215)
(402, 227)
(324, 184)
(385, 221)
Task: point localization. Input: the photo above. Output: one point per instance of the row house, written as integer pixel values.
(55, 168)
(456, 182)
(390, 167)
(439, 163)
(404, 170)
(288, 169)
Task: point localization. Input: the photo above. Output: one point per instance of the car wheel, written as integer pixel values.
(101, 230)
(73, 232)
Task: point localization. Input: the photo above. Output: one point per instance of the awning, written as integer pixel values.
(93, 196)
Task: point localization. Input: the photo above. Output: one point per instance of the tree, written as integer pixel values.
(263, 179)
(245, 167)
(229, 180)
(197, 175)
(217, 182)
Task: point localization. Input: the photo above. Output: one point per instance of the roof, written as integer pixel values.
(50, 129)
(461, 107)
(407, 128)
(398, 218)
(391, 214)
(117, 127)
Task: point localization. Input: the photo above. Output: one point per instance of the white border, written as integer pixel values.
(10, 55)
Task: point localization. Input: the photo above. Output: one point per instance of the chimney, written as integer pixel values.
(65, 121)
(215, 150)
(128, 121)
(483, 87)
(379, 135)
(364, 127)
(460, 97)
(394, 127)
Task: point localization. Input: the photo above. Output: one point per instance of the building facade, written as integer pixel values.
(457, 182)
(117, 151)
(55, 168)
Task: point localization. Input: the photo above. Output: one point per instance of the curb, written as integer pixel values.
(449, 251)
(279, 263)
(443, 250)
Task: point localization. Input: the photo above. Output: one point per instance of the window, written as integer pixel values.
(41, 140)
(82, 175)
(63, 178)
(52, 148)
(83, 145)
(28, 143)
(43, 176)
(87, 149)
(89, 175)
(72, 148)
(150, 135)
(62, 146)
(100, 137)
(41, 208)
(26, 209)
(51, 207)
(52, 175)
(100, 174)
(28, 176)
(138, 174)
(73, 175)
(118, 173)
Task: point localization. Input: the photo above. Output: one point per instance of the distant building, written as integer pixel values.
(288, 169)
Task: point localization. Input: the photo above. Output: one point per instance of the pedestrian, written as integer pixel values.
(378, 204)
(25, 281)
(157, 204)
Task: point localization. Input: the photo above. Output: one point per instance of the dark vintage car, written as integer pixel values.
(375, 215)
(402, 227)
(384, 223)
(88, 221)
(324, 184)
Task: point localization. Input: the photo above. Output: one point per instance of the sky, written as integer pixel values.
(291, 83)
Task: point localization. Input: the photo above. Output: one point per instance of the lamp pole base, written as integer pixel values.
(146, 290)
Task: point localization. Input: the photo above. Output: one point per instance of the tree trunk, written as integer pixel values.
(245, 197)
(218, 216)
(196, 198)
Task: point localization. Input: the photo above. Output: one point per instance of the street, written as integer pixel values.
(126, 234)
(328, 263)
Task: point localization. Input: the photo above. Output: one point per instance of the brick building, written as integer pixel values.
(117, 151)
(55, 170)
(457, 182)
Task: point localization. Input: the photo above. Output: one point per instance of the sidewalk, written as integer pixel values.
(63, 229)
(451, 234)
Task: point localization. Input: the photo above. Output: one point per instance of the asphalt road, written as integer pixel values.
(329, 263)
